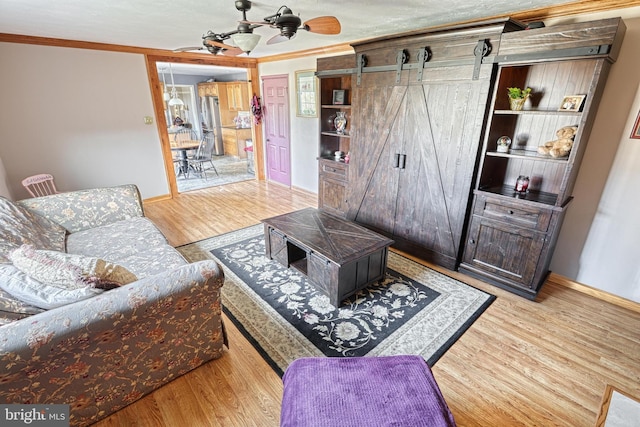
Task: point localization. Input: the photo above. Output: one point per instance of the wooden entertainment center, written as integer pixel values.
(424, 113)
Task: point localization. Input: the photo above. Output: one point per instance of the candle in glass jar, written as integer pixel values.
(522, 184)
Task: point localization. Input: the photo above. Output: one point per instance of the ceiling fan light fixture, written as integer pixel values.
(287, 22)
(246, 41)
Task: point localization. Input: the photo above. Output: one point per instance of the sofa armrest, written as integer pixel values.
(101, 354)
(83, 209)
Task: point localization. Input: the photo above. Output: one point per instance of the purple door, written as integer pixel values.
(276, 121)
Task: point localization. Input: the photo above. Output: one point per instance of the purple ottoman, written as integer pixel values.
(362, 391)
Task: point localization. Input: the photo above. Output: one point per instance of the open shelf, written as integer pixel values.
(336, 106)
(300, 265)
(537, 112)
(332, 159)
(532, 195)
(528, 155)
(335, 134)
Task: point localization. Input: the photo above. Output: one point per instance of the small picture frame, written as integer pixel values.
(306, 94)
(571, 103)
(339, 97)
(635, 131)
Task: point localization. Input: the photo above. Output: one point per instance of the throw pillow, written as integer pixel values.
(12, 308)
(9, 303)
(30, 291)
(20, 226)
(51, 279)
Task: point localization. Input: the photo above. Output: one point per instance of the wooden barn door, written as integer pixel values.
(414, 164)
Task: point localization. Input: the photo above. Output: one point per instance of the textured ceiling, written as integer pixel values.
(173, 24)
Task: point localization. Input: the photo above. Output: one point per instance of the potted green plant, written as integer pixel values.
(517, 97)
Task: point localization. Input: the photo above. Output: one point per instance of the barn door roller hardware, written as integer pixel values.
(483, 48)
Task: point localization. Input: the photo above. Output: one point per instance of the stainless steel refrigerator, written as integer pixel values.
(211, 125)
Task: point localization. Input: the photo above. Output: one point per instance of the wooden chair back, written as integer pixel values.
(40, 185)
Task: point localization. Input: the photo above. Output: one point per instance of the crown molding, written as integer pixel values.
(342, 48)
(161, 54)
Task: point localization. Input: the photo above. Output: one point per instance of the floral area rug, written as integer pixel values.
(415, 310)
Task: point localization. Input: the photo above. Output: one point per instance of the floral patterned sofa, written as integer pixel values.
(104, 352)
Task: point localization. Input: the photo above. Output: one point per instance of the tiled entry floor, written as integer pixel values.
(230, 169)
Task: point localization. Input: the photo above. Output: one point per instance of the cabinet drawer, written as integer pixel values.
(513, 213)
(334, 170)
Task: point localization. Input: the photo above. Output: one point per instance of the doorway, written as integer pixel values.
(277, 131)
(198, 115)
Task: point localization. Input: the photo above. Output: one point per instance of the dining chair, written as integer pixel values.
(40, 185)
(182, 137)
(204, 155)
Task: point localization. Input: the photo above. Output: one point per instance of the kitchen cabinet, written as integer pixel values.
(208, 89)
(234, 141)
(512, 234)
(238, 96)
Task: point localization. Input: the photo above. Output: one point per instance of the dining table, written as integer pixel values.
(183, 148)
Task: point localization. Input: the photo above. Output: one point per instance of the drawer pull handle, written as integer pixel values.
(472, 241)
(510, 212)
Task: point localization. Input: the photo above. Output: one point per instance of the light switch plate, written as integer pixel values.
(148, 120)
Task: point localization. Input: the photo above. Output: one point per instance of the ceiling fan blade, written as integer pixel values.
(189, 48)
(229, 50)
(278, 38)
(323, 25)
(234, 51)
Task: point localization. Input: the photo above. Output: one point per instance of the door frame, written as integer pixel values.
(273, 77)
(250, 64)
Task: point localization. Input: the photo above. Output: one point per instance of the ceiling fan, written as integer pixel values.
(245, 40)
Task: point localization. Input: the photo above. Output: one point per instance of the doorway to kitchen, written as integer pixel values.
(208, 124)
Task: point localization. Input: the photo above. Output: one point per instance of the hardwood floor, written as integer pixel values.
(522, 363)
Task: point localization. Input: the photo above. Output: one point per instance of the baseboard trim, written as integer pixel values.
(596, 293)
(303, 190)
(157, 198)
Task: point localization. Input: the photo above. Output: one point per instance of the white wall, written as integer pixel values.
(609, 259)
(304, 130)
(78, 114)
(598, 239)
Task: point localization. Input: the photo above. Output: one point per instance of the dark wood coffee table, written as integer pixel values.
(339, 257)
